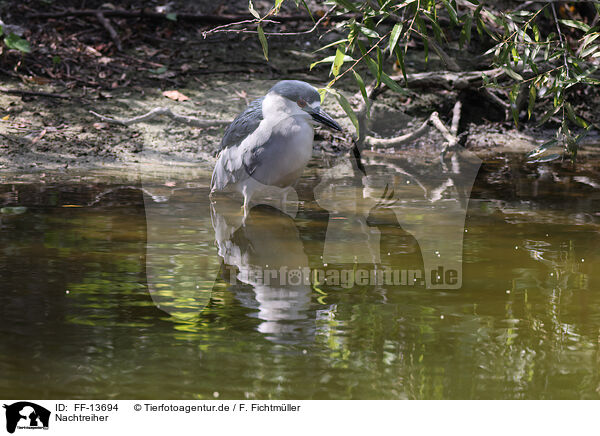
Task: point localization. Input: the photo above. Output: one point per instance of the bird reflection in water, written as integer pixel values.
(268, 243)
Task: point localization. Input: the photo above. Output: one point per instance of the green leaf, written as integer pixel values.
(277, 5)
(423, 33)
(330, 59)
(478, 20)
(588, 51)
(12, 41)
(1, 30)
(512, 73)
(575, 24)
(363, 91)
(252, 10)
(348, 109)
(588, 39)
(338, 61)
(368, 32)
(536, 32)
(343, 103)
(532, 96)
(392, 84)
(171, 16)
(333, 44)
(548, 158)
(512, 96)
(451, 12)
(400, 58)
(538, 151)
(322, 93)
(263, 41)
(549, 114)
(347, 4)
(395, 36)
(379, 64)
(515, 55)
(437, 31)
(574, 118)
(465, 33)
(372, 66)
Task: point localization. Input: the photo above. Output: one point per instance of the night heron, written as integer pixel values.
(270, 143)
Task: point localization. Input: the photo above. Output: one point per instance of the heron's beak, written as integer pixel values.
(322, 117)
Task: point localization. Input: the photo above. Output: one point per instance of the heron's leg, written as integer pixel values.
(246, 209)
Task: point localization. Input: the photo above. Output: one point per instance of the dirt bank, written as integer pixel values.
(76, 64)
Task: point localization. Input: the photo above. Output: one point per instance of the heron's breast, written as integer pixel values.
(294, 153)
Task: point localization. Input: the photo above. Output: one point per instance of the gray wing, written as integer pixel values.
(256, 160)
(230, 167)
(261, 161)
(243, 125)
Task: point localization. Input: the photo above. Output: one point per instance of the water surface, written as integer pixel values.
(126, 286)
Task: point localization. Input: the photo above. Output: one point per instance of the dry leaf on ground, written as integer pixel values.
(175, 95)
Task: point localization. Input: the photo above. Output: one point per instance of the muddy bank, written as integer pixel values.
(41, 133)
(75, 61)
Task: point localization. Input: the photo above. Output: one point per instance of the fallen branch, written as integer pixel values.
(110, 29)
(398, 140)
(450, 135)
(34, 93)
(156, 112)
(491, 95)
(446, 79)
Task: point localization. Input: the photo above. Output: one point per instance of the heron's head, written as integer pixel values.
(300, 98)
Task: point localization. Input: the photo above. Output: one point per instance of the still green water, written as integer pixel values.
(113, 286)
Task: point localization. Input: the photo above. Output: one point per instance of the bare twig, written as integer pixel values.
(110, 29)
(225, 27)
(198, 18)
(156, 112)
(34, 93)
(562, 42)
(312, 29)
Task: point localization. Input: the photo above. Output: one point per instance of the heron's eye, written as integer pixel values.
(301, 103)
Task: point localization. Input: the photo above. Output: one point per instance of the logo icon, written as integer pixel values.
(26, 415)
